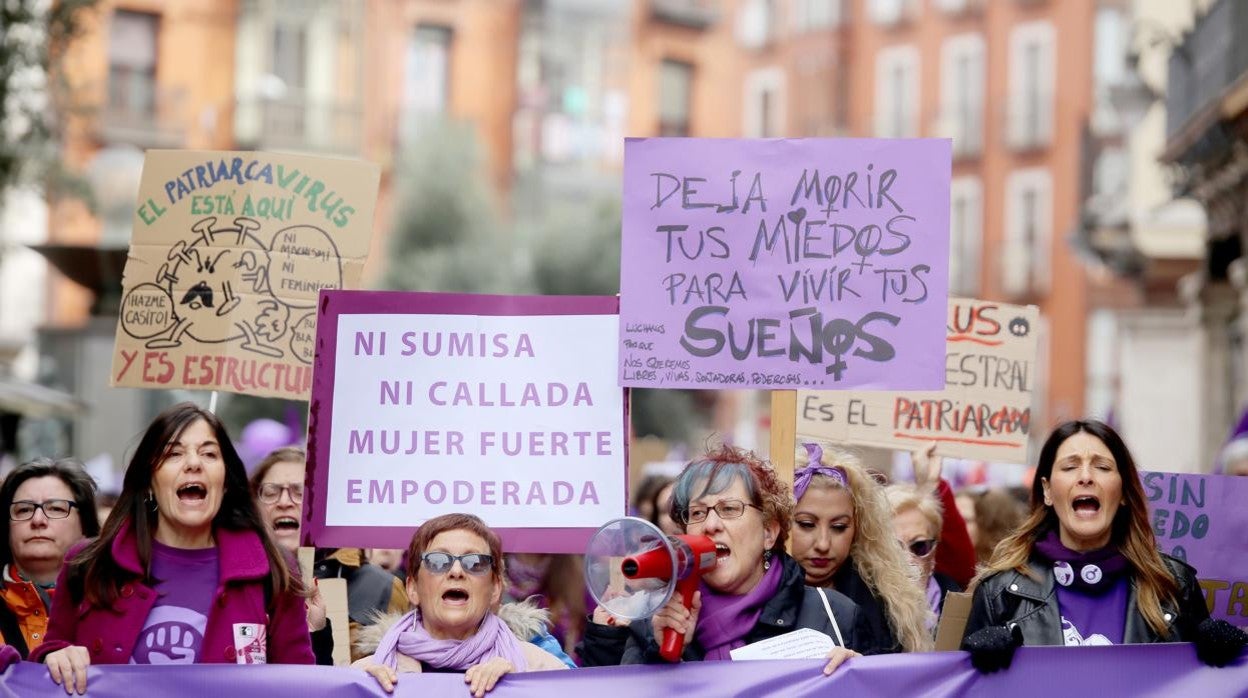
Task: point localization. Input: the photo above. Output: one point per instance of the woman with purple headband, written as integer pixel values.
(843, 538)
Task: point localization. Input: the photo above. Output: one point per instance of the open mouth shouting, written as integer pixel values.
(722, 552)
(455, 596)
(192, 493)
(286, 524)
(1086, 506)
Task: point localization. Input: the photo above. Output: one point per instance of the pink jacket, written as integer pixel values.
(110, 634)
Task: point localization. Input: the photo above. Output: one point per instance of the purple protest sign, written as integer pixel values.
(1143, 671)
(1203, 519)
(784, 264)
(505, 407)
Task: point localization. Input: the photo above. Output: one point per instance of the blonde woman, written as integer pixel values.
(843, 538)
(917, 522)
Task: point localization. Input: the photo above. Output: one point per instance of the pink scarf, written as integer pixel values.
(409, 637)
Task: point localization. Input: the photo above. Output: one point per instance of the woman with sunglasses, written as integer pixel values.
(50, 505)
(184, 563)
(454, 581)
(917, 522)
(1084, 568)
(754, 592)
(843, 538)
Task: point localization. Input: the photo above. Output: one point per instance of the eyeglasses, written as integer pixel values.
(270, 492)
(24, 510)
(921, 548)
(475, 564)
(725, 509)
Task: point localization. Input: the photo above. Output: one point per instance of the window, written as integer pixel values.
(954, 7)
(1028, 232)
(756, 23)
(812, 15)
(764, 103)
(962, 92)
(890, 12)
(290, 55)
(1031, 77)
(897, 92)
(965, 235)
(132, 64)
(426, 78)
(675, 89)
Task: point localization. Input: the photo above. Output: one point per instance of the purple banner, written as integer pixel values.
(1204, 519)
(1132, 670)
(784, 264)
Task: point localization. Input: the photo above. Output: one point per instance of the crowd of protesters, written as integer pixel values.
(192, 549)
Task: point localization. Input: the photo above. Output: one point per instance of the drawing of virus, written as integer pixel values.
(201, 277)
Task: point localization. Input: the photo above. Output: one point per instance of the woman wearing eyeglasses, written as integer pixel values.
(50, 506)
(183, 564)
(277, 485)
(843, 538)
(754, 592)
(454, 581)
(917, 521)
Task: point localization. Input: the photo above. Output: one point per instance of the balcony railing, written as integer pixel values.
(1208, 61)
(1029, 121)
(1023, 269)
(296, 122)
(137, 111)
(695, 14)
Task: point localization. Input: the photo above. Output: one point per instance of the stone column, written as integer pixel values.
(1215, 306)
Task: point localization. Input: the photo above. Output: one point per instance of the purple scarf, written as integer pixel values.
(933, 601)
(1094, 572)
(726, 618)
(814, 466)
(409, 637)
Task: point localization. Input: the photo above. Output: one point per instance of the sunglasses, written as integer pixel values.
(922, 548)
(475, 564)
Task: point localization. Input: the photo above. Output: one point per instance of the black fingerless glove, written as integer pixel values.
(992, 648)
(1219, 642)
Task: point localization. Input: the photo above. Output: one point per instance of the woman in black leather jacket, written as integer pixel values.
(1084, 568)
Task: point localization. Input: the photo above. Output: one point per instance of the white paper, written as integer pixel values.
(799, 644)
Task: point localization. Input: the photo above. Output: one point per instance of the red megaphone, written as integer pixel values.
(695, 555)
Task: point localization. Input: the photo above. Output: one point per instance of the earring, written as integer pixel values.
(151, 502)
(766, 560)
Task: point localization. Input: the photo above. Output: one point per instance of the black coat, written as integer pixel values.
(848, 582)
(794, 606)
(1011, 598)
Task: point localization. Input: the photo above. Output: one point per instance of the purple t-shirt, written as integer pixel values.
(1093, 620)
(186, 581)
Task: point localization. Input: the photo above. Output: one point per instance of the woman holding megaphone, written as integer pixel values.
(755, 590)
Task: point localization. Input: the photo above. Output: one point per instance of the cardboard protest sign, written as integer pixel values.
(784, 264)
(228, 254)
(1202, 519)
(501, 406)
(984, 412)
